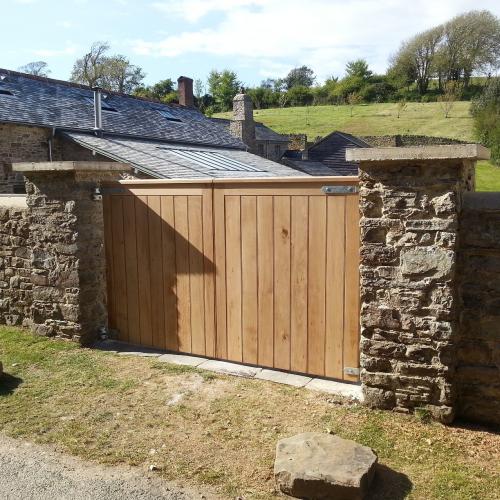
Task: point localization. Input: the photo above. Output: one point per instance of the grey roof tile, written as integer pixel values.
(52, 103)
(159, 159)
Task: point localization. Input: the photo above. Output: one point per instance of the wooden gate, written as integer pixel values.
(263, 272)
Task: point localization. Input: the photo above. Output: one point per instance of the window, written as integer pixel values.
(168, 115)
(104, 105)
(277, 150)
(260, 148)
(213, 160)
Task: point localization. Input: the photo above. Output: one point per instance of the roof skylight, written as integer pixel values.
(5, 92)
(104, 105)
(168, 115)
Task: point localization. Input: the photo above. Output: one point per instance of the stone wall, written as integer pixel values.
(382, 141)
(15, 282)
(410, 201)
(478, 361)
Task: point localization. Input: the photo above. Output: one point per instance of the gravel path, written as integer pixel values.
(34, 472)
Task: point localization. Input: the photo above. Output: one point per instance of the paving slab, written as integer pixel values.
(339, 388)
(230, 368)
(182, 359)
(141, 354)
(283, 378)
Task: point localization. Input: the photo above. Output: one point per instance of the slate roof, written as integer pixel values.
(262, 132)
(54, 103)
(328, 156)
(159, 159)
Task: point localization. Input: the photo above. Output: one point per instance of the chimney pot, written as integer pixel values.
(185, 90)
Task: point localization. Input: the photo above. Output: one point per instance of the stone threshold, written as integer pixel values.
(347, 390)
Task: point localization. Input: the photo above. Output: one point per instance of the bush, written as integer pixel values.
(299, 96)
(486, 113)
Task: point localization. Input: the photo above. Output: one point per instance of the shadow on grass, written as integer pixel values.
(8, 384)
(389, 485)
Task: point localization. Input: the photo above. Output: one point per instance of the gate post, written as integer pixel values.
(67, 246)
(410, 200)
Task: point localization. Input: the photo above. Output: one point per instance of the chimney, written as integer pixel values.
(97, 108)
(242, 124)
(185, 89)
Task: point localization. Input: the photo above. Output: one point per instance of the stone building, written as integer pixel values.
(43, 119)
(260, 139)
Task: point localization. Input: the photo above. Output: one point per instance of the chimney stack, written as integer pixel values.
(242, 124)
(185, 90)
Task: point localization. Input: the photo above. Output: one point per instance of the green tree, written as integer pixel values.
(300, 95)
(299, 77)
(161, 91)
(486, 113)
(37, 68)
(113, 73)
(358, 68)
(223, 86)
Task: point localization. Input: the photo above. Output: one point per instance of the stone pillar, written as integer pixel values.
(410, 199)
(67, 246)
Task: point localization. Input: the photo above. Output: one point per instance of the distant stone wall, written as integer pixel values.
(478, 364)
(383, 141)
(15, 264)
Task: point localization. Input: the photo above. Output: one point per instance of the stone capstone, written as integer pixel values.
(315, 466)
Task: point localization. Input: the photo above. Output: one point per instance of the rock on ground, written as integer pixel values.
(37, 472)
(319, 466)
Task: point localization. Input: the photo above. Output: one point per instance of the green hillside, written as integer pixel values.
(370, 119)
(381, 119)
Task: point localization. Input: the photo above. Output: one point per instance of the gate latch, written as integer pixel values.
(339, 189)
(354, 372)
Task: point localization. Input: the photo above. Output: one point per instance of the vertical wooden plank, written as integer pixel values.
(282, 282)
(182, 266)
(143, 271)
(351, 315)
(156, 268)
(335, 253)
(233, 278)
(209, 272)
(108, 249)
(133, 313)
(298, 269)
(196, 271)
(265, 253)
(120, 285)
(169, 273)
(249, 277)
(316, 285)
(220, 271)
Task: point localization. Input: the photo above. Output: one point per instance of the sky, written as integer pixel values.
(256, 38)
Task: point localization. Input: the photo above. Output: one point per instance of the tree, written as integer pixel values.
(486, 113)
(300, 96)
(37, 68)
(353, 99)
(113, 73)
(223, 86)
(450, 96)
(161, 91)
(358, 68)
(303, 77)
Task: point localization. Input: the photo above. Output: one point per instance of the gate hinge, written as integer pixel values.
(351, 371)
(339, 189)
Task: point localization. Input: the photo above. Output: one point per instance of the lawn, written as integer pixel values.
(370, 119)
(487, 177)
(220, 432)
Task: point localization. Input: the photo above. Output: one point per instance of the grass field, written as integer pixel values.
(220, 432)
(370, 119)
(381, 119)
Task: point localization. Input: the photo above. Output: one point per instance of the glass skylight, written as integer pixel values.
(168, 115)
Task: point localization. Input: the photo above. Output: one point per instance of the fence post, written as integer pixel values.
(410, 200)
(67, 246)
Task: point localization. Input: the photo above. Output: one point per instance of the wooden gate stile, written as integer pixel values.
(263, 271)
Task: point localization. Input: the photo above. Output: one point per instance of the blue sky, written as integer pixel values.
(255, 38)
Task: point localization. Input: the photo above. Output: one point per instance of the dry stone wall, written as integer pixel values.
(409, 221)
(15, 263)
(478, 359)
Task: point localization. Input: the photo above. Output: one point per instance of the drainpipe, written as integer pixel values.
(97, 110)
(50, 142)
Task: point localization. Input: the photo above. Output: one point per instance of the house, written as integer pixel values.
(327, 156)
(43, 119)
